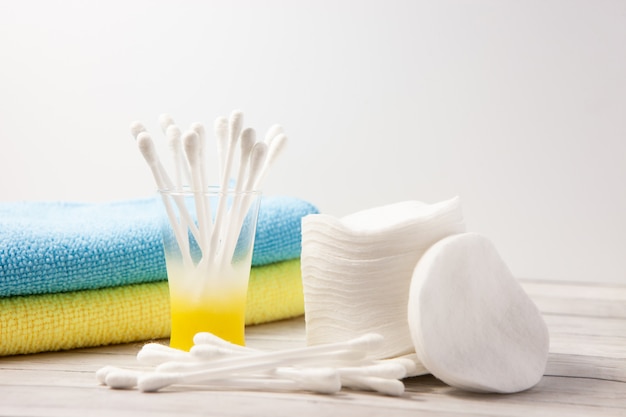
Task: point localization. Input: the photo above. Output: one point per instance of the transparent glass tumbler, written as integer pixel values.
(208, 238)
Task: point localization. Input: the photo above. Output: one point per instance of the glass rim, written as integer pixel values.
(213, 190)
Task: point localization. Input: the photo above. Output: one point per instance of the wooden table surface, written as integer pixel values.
(586, 375)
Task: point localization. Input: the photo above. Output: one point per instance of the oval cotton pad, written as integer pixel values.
(472, 324)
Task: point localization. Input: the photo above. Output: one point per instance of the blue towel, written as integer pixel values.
(52, 247)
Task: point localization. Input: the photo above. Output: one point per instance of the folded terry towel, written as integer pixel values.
(38, 323)
(52, 247)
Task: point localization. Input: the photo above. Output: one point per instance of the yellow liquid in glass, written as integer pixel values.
(222, 314)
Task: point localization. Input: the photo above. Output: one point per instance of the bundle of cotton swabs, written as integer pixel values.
(216, 235)
(213, 363)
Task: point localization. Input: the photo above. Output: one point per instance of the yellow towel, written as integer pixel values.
(38, 323)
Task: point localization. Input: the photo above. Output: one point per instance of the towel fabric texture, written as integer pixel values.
(128, 313)
(87, 274)
(61, 247)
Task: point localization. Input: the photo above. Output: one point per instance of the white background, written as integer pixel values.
(518, 107)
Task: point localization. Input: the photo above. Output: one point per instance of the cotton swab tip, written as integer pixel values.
(390, 370)
(206, 338)
(206, 352)
(146, 147)
(136, 128)
(156, 381)
(221, 128)
(322, 380)
(248, 138)
(173, 132)
(235, 120)
(155, 354)
(368, 342)
(258, 156)
(191, 142)
(278, 145)
(272, 132)
(391, 387)
(165, 121)
(102, 373)
(122, 379)
(199, 129)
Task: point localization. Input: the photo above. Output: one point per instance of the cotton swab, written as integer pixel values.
(181, 170)
(217, 236)
(275, 148)
(411, 363)
(241, 205)
(191, 142)
(156, 354)
(258, 157)
(136, 128)
(206, 338)
(123, 378)
(165, 121)
(303, 369)
(202, 356)
(221, 134)
(391, 387)
(163, 181)
(146, 147)
(227, 358)
(261, 362)
(102, 373)
(320, 384)
(272, 132)
(321, 381)
(235, 123)
(380, 370)
(246, 143)
(201, 132)
(209, 352)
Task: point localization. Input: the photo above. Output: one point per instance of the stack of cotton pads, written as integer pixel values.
(357, 270)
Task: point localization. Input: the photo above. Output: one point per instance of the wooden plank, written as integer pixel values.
(578, 299)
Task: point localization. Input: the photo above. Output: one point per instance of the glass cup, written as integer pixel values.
(208, 238)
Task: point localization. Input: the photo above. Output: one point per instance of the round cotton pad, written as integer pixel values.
(472, 324)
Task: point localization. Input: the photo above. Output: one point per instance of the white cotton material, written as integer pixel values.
(357, 270)
(472, 324)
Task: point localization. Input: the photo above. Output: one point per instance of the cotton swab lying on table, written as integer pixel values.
(319, 384)
(321, 369)
(212, 356)
(321, 381)
(357, 347)
(262, 362)
(391, 387)
(410, 363)
(156, 354)
(206, 338)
